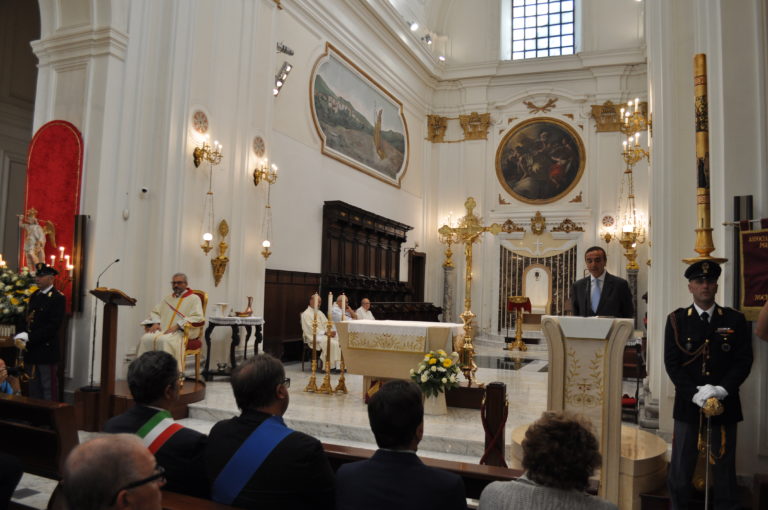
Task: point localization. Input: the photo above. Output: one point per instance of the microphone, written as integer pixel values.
(105, 270)
(91, 387)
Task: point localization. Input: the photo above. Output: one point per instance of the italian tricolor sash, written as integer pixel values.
(158, 429)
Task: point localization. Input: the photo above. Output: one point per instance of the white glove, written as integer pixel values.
(21, 340)
(699, 397)
(719, 392)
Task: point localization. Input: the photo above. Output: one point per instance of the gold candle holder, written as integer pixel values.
(312, 384)
(326, 387)
(519, 304)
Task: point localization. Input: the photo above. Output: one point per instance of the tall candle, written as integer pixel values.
(53, 260)
(61, 251)
(315, 299)
(343, 307)
(330, 305)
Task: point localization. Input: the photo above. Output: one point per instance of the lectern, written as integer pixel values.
(112, 298)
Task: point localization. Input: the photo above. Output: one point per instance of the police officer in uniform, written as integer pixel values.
(39, 334)
(707, 353)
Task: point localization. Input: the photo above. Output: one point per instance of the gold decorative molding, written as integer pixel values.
(510, 226)
(546, 108)
(436, 126)
(577, 199)
(502, 201)
(475, 125)
(219, 263)
(608, 115)
(538, 224)
(511, 120)
(567, 226)
(569, 115)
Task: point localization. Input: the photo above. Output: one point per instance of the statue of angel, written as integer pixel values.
(34, 240)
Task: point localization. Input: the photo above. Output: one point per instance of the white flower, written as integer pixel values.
(5, 311)
(413, 371)
(19, 309)
(424, 377)
(444, 380)
(441, 369)
(452, 378)
(434, 368)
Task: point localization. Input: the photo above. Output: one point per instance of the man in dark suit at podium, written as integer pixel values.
(39, 334)
(395, 477)
(601, 293)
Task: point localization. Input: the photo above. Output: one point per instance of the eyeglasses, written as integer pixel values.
(159, 475)
(287, 382)
(179, 282)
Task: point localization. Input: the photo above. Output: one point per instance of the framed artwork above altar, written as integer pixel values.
(359, 122)
(540, 160)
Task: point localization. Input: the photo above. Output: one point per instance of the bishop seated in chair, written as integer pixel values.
(170, 315)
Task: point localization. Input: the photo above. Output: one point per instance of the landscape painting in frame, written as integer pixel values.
(359, 122)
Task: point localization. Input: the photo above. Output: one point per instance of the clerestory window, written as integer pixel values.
(539, 28)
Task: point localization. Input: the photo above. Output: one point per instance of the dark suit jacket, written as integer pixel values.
(397, 480)
(295, 475)
(181, 455)
(615, 298)
(45, 311)
(725, 366)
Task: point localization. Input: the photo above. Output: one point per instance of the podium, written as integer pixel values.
(94, 401)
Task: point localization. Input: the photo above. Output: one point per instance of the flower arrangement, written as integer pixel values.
(15, 289)
(437, 372)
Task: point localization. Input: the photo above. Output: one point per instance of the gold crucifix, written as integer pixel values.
(468, 232)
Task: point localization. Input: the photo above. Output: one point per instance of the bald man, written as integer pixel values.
(115, 471)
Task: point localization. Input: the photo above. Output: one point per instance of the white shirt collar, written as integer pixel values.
(710, 310)
(45, 290)
(601, 278)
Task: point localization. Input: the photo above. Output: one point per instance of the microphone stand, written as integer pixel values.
(91, 387)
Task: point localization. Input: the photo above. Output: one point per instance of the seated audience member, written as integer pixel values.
(153, 379)
(364, 312)
(307, 316)
(560, 453)
(114, 471)
(254, 460)
(336, 311)
(10, 474)
(8, 385)
(169, 316)
(395, 477)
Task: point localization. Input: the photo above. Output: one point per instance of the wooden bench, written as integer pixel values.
(38, 432)
(475, 476)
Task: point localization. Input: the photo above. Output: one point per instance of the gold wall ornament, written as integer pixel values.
(628, 118)
(545, 108)
(577, 199)
(567, 226)
(468, 232)
(510, 226)
(502, 201)
(704, 243)
(475, 125)
(436, 126)
(219, 263)
(538, 224)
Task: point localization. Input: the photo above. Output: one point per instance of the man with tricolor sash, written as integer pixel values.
(170, 316)
(153, 379)
(254, 460)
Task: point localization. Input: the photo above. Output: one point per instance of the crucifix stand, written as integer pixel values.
(468, 232)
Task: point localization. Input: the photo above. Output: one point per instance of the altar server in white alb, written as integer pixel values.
(364, 312)
(306, 327)
(170, 315)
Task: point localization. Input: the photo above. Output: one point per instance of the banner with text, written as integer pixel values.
(754, 271)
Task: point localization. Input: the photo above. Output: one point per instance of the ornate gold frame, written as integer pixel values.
(330, 48)
(516, 130)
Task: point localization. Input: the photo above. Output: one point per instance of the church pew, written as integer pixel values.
(176, 501)
(43, 433)
(475, 476)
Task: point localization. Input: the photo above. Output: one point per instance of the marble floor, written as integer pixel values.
(343, 419)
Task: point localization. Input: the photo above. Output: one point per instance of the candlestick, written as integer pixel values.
(343, 307)
(53, 260)
(315, 299)
(330, 305)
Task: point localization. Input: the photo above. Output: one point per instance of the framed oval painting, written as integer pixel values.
(359, 122)
(540, 160)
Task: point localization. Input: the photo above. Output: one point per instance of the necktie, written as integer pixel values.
(595, 297)
(705, 317)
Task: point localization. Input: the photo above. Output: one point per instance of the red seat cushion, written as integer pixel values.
(194, 344)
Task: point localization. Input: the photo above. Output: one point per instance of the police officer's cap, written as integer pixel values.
(703, 269)
(45, 270)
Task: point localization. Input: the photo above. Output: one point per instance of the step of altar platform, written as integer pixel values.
(343, 418)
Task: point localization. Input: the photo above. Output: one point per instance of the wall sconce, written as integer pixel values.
(281, 76)
(207, 153)
(264, 172)
(633, 119)
(265, 252)
(632, 152)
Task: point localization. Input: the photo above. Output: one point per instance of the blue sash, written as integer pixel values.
(248, 458)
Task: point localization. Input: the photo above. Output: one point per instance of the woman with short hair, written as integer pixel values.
(560, 453)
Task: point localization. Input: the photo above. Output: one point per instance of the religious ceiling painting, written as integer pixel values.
(540, 160)
(359, 122)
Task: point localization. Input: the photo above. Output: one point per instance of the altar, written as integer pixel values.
(390, 349)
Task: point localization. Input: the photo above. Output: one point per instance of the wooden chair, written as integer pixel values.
(185, 351)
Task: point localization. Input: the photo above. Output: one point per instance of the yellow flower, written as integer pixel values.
(32, 288)
(447, 363)
(14, 301)
(432, 361)
(441, 352)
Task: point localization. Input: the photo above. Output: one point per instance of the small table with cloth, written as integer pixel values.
(235, 323)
